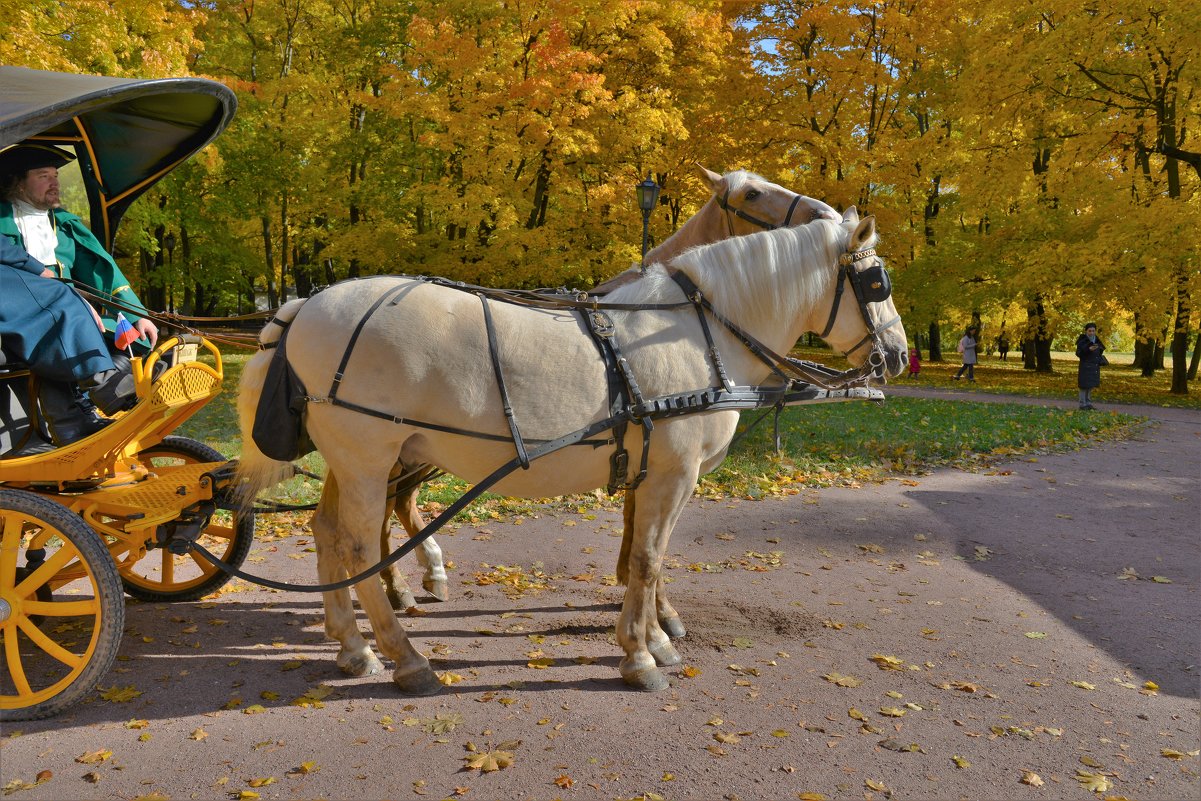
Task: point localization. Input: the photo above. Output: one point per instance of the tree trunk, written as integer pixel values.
(1192, 368)
(935, 342)
(269, 258)
(1180, 335)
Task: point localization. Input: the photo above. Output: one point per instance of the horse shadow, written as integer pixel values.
(193, 658)
(1101, 588)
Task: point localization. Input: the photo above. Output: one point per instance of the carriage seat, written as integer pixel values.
(20, 434)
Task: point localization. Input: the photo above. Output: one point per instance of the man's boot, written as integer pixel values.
(113, 390)
(67, 419)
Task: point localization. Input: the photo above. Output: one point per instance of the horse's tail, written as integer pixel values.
(256, 470)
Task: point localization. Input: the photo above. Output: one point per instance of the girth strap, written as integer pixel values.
(494, 353)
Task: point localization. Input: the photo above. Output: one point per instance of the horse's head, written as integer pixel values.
(752, 203)
(864, 323)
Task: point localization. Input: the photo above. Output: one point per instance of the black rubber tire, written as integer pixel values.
(212, 579)
(91, 562)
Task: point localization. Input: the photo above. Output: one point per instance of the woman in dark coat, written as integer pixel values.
(1090, 350)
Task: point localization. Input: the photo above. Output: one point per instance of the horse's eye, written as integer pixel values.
(752, 194)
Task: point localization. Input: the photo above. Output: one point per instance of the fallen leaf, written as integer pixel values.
(1037, 635)
(960, 762)
(198, 734)
(489, 761)
(564, 781)
(305, 768)
(1084, 685)
(1031, 778)
(841, 680)
(888, 662)
(892, 711)
(811, 797)
(261, 782)
(449, 678)
(119, 695)
(94, 757)
(1093, 782)
(728, 739)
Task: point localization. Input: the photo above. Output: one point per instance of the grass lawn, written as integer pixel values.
(823, 444)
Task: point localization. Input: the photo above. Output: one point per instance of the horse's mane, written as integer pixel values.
(758, 272)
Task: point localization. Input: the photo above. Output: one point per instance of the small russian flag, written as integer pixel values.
(125, 334)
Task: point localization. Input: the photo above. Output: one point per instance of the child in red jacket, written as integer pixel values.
(915, 363)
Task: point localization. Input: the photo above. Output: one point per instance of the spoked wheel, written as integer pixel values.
(61, 607)
(163, 576)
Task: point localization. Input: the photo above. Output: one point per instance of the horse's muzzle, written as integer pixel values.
(893, 363)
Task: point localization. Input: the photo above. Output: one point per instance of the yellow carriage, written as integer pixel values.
(83, 524)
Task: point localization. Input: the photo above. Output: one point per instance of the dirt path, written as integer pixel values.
(1019, 606)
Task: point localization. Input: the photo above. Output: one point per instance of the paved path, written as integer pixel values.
(1019, 604)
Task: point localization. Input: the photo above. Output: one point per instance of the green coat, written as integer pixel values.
(84, 260)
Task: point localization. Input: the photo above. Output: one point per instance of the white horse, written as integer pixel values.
(423, 361)
(741, 203)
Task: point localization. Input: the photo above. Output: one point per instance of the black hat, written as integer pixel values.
(19, 159)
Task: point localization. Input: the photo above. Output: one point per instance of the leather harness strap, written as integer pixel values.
(494, 353)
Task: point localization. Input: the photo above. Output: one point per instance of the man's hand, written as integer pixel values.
(148, 330)
(95, 316)
(48, 273)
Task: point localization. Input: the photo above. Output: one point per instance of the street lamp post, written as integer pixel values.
(648, 196)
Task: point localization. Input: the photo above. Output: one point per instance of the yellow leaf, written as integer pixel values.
(94, 757)
(564, 781)
(1161, 580)
(261, 782)
(892, 711)
(119, 695)
(669, 777)
(841, 680)
(879, 787)
(1084, 685)
(690, 672)
(888, 662)
(1172, 753)
(137, 724)
(1150, 685)
(960, 762)
(856, 714)
(728, 739)
(305, 768)
(489, 761)
(811, 797)
(541, 663)
(247, 795)
(449, 678)
(254, 709)
(155, 796)
(780, 733)
(1093, 782)
(198, 734)
(1031, 778)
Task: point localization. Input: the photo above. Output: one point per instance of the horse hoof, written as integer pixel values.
(673, 627)
(422, 681)
(437, 588)
(362, 663)
(664, 654)
(647, 680)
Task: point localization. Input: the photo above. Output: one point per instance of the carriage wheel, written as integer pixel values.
(61, 607)
(164, 576)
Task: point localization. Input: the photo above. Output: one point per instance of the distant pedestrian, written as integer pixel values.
(915, 363)
(967, 346)
(1090, 350)
(1003, 347)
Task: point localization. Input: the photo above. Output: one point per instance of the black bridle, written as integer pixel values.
(724, 203)
(870, 285)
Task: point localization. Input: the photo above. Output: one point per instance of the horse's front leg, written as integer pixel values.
(360, 515)
(638, 630)
(669, 618)
(355, 657)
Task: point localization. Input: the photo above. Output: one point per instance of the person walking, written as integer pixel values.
(967, 346)
(915, 363)
(1090, 350)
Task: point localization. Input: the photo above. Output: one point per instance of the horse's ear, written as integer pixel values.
(851, 215)
(715, 182)
(864, 232)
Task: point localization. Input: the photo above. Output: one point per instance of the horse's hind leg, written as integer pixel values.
(395, 585)
(355, 657)
(429, 555)
(669, 618)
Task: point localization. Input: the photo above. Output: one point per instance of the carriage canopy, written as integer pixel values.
(127, 133)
